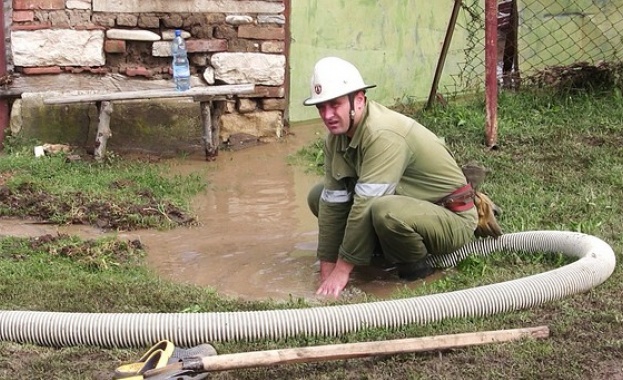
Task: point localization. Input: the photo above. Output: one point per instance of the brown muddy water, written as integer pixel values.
(256, 237)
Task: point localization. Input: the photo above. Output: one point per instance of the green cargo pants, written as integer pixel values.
(408, 229)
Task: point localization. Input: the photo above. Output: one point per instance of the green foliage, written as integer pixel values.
(126, 193)
(311, 155)
(93, 255)
(123, 177)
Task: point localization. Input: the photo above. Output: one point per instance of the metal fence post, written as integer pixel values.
(491, 81)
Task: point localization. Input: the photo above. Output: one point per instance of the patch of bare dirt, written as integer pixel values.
(79, 208)
(93, 253)
(578, 76)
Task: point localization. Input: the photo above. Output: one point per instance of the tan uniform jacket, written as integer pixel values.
(389, 154)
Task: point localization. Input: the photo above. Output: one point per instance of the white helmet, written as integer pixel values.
(334, 77)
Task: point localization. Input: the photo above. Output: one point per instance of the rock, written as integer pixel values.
(208, 75)
(257, 68)
(168, 35)
(132, 35)
(56, 148)
(238, 20)
(58, 47)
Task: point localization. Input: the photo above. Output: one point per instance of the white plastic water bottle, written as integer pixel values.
(181, 66)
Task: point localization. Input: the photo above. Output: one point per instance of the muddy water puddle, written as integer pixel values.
(256, 237)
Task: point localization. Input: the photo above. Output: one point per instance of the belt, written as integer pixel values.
(459, 200)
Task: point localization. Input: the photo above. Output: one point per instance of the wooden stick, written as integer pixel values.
(206, 122)
(355, 350)
(103, 129)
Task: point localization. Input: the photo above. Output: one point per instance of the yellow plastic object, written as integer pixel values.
(156, 357)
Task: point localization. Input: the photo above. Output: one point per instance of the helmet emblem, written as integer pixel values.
(318, 89)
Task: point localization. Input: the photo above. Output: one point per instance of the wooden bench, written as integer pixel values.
(210, 115)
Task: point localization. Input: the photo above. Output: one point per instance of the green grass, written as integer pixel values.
(114, 176)
(560, 158)
(310, 156)
(119, 194)
(558, 167)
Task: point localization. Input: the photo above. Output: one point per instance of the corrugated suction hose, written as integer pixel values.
(596, 262)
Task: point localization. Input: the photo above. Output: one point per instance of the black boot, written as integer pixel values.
(414, 271)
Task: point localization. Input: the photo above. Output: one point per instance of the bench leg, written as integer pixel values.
(210, 120)
(103, 129)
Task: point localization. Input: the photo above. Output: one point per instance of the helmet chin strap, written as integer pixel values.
(351, 113)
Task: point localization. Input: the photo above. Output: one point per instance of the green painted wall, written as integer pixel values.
(394, 43)
(166, 127)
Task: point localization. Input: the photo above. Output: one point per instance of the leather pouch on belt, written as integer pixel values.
(487, 210)
(487, 223)
(460, 200)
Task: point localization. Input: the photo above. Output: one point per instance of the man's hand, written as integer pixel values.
(336, 281)
(326, 267)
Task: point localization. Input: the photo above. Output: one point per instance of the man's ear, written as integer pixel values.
(360, 99)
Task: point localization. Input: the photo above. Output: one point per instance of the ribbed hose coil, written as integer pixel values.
(595, 264)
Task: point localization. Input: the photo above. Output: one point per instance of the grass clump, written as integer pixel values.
(118, 194)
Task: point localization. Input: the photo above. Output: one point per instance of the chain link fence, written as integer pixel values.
(541, 42)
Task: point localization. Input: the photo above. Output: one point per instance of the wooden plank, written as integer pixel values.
(82, 83)
(154, 94)
(351, 350)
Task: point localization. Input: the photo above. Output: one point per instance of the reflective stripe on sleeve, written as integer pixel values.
(374, 189)
(336, 196)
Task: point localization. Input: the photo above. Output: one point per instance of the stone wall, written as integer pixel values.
(229, 42)
(8, 9)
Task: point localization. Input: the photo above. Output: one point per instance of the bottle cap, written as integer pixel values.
(178, 32)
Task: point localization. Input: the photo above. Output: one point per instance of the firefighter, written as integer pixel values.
(389, 183)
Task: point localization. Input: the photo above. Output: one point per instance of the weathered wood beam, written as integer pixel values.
(211, 121)
(206, 121)
(234, 89)
(103, 129)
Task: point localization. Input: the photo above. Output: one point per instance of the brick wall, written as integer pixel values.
(229, 42)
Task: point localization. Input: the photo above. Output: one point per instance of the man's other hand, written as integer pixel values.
(336, 280)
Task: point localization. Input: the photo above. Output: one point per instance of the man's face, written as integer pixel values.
(335, 115)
